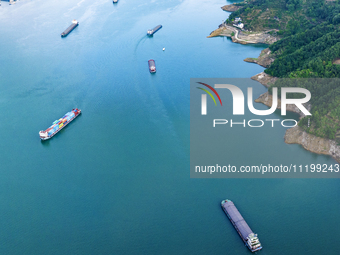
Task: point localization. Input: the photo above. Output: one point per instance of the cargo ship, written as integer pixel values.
(68, 30)
(154, 30)
(152, 66)
(58, 125)
(249, 238)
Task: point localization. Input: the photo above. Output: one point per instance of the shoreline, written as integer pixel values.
(297, 135)
(312, 143)
(231, 8)
(243, 37)
(293, 135)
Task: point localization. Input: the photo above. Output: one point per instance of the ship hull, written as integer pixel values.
(64, 125)
(152, 66)
(154, 30)
(69, 29)
(238, 222)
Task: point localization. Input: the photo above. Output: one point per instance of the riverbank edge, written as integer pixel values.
(242, 36)
(293, 135)
(231, 7)
(297, 135)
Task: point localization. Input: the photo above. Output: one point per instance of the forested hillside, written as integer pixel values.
(287, 16)
(309, 48)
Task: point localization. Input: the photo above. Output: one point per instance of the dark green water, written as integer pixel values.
(116, 180)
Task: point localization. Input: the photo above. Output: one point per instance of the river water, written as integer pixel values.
(117, 180)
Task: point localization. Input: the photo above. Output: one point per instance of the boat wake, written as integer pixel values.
(141, 40)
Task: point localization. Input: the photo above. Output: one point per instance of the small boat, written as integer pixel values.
(152, 66)
(115, 1)
(154, 30)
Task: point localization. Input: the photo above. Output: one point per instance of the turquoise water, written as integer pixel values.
(117, 181)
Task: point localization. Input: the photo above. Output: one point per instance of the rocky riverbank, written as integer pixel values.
(293, 135)
(296, 135)
(265, 58)
(313, 143)
(231, 8)
(243, 37)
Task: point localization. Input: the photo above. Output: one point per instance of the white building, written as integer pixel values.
(240, 25)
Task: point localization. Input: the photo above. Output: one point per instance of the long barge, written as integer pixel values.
(58, 125)
(249, 238)
(68, 30)
(154, 30)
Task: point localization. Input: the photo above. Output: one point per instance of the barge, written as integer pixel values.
(58, 125)
(152, 66)
(249, 238)
(154, 30)
(68, 30)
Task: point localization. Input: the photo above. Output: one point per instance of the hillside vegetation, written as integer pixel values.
(309, 48)
(287, 16)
